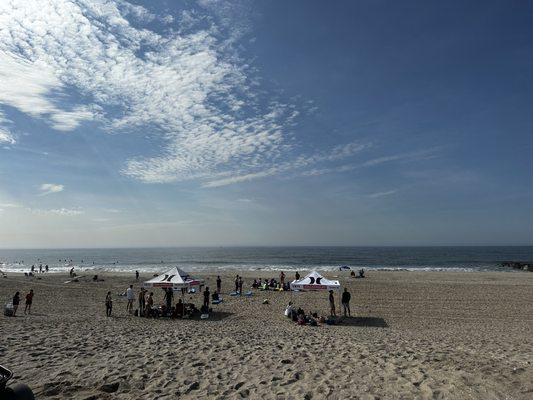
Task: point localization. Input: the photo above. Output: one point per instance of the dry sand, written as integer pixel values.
(435, 335)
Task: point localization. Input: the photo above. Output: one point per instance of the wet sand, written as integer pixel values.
(423, 335)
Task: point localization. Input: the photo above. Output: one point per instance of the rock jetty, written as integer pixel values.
(524, 266)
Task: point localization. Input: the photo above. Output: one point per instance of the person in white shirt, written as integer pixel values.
(289, 310)
(130, 295)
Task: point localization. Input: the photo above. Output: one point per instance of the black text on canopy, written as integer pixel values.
(315, 281)
(174, 278)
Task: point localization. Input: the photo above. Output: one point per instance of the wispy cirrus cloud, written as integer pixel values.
(382, 194)
(187, 84)
(65, 212)
(337, 153)
(418, 155)
(69, 62)
(49, 188)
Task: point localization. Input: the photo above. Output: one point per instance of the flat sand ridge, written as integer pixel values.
(415, 335)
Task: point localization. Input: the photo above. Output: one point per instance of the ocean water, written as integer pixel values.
(468, 259)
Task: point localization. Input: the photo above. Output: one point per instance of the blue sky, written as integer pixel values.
(265, 123)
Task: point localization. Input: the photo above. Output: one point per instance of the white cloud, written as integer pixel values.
(189, 85)
(65, 212)
(49, 188)
(339, 152)
(6, 137)
(10, 205)
(382, 194)
(32, 86)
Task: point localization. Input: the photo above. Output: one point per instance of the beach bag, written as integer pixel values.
(8, 309)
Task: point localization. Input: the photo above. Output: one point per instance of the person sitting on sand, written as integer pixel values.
(289, 310)
(29, 301)
(332, 304)
(352, 273)
(178, 310)
(361, 273)
(16, 302)
(255, 284)
(108, 304)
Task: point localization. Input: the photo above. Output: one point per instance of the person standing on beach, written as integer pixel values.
(297, 276)
(332, 304)
(345, 300)
(206, 298)
(282, 278)
(108, 304)
(168, 297)
(237, 284)
(29, 301)
(130, 296)
(149, 304)
(16, 302)
(142, 301)
(46, 267)
(219, 284)
(137, 276)
(240, 285)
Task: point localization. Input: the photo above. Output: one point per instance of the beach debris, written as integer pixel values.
(192, 386)
(110, 387)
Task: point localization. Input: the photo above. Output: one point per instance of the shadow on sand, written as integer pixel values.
(375, 322)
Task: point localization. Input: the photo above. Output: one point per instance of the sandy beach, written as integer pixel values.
(414, 335)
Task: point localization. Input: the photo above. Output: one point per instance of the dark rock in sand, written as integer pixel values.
(110, 387)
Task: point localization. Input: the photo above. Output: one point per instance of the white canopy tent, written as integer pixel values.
(174, 278)
(315, 281)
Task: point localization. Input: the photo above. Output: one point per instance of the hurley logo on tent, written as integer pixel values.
(168, 278)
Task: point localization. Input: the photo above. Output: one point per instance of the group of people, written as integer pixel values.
(148, 308)
(301, 318)
(273, 283)
(345, 302)
(41, 268)
(16, 302)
